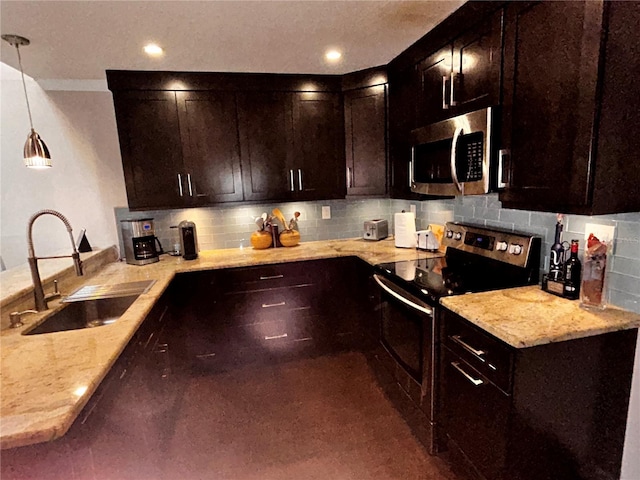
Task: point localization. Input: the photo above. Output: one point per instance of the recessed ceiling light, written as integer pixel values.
(153, 50)
(333, 55)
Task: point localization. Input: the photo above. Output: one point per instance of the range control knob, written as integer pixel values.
(515, 249)
(501, 246)
(457, 236)
(449, 234)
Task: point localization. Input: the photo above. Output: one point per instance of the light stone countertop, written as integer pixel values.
(527, 316)
(47, 379)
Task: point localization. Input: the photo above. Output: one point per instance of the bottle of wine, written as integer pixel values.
(557, 255)
(572, 273)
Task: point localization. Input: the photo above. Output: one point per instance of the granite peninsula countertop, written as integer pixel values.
(46, 380)
(527, 316)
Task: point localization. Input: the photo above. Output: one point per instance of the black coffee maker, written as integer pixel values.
(188, 240)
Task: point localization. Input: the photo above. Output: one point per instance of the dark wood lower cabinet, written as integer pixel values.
(559, 413)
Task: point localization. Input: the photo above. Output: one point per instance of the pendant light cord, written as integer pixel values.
(24, 85)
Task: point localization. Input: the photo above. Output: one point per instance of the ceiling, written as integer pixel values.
(79, 40)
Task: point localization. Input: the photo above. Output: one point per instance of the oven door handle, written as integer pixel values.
(404, 300)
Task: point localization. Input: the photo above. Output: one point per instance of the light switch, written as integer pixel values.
(326, 212)
(412, 208)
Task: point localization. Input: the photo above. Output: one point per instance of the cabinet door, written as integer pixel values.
(403, 94)
(209, 131)
(434, 73)
(318, 129)
(477, 60)
(365, 140)
(151, 149)
(550, 71)
(266, 133)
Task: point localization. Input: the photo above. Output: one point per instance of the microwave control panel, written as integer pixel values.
(473, 157)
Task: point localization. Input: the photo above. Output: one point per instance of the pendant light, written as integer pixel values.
(36, 153)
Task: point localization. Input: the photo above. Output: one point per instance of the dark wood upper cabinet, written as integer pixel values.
(477, 62)
(209, 132)
(318, 146)
(462, 76)
(151, 148)
(266, 140)
(365, 140)
(569, 92)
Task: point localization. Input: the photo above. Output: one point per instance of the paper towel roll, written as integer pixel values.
(404, 230)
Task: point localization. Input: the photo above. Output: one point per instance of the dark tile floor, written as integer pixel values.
(319, 418)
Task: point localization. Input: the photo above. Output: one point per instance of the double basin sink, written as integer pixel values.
(93, 306)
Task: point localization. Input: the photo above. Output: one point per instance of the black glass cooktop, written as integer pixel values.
(456, 273)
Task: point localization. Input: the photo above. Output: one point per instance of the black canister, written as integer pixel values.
(188, 240)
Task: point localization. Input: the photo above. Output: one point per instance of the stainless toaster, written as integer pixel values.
(376, 229)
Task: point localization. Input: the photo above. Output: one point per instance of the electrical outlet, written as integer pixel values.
(326, 213)
(413, 209)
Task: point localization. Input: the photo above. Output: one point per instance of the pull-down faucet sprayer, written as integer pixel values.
(38, 291)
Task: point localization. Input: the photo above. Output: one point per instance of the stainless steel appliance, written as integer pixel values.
(476, 259)
(454, 156)
(376, 229)
(139, 240)
(188, 240)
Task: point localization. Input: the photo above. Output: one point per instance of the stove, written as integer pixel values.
(476, 259)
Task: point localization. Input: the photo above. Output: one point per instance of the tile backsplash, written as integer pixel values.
(230, 226)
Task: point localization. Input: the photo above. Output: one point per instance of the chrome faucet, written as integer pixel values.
(38, 291)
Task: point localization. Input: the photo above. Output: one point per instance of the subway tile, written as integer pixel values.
(623, 283)
(624, 300)
(542, 219)
(485, 213)
(520, 218)
(627, 249)
(628, 230)
(464, 211)
(478, 201)
(500, 224)
(626, 266)
(493, 201)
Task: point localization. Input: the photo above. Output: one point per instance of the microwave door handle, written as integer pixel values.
(399, 297)
(454, 152)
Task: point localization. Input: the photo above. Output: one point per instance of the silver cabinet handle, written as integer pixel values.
(189, 183)
(455, 77)
(274, 337)
(454, 153)
(413, 158)
(291, 181)
(300, 179)
(477, 353)
(503, 155)
(397, 296)
(445, 105)
(349, 178)
(271, 277)
(180, 185)
(476, 381)
(270, 305)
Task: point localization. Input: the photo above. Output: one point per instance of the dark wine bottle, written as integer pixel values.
(572, 273)
(557, 255)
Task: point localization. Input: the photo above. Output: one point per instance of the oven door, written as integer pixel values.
(407, 331)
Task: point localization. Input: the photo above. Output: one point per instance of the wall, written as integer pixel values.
(85, 182)
(231, 227)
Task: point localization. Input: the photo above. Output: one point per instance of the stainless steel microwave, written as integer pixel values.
(453, 157)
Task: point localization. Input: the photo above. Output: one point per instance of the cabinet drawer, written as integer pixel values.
(266, 276)
(267, 304)
(483, 352)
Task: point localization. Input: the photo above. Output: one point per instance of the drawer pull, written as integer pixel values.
(275, 337)
(269, 305)
(476, 381)
(477, 353)
(272, 277)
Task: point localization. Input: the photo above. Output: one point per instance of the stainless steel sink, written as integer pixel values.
(87, 314)
(92, 306)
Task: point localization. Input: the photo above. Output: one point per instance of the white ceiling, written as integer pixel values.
(79, 40)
